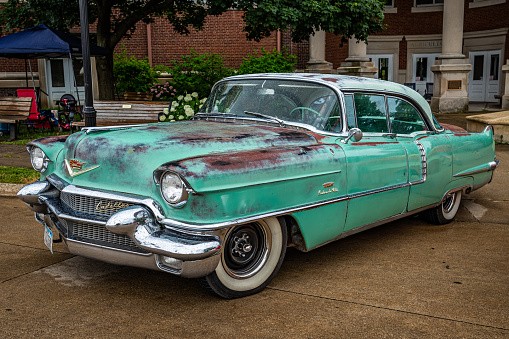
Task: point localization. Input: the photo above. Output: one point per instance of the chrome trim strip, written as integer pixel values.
(75, 174)
(83, 243)
(424, 160)
(89, 130)
(216, 226)
(491, 166)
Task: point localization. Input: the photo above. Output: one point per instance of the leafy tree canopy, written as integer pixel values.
(116, 19)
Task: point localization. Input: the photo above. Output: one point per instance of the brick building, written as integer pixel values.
(405, 52)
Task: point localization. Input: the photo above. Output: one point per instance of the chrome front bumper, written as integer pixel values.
(185, 253)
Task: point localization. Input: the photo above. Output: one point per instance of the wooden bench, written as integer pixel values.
(14, 111)
(111, 113)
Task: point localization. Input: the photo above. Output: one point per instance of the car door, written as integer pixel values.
(429, 154)
(377, 169)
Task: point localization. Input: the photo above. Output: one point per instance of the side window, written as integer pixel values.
(350, 112)
(328, 108)
(370, 111)
(404, 117)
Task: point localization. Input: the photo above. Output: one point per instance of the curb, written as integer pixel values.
(9, 190)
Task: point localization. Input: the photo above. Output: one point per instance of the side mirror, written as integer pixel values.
(356, 133)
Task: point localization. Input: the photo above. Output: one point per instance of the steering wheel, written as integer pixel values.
(318, 116)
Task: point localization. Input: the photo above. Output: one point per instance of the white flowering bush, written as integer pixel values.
(182, 107)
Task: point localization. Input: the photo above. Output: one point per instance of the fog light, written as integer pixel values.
(176, 264)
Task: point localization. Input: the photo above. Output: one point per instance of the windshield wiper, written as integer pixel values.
(256, 114)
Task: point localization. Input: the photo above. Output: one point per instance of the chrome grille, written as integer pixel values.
(99, 234)
(92, 205)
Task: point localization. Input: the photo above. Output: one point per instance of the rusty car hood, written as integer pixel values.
(126, 158)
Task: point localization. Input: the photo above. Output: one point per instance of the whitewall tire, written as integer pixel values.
(251, 256)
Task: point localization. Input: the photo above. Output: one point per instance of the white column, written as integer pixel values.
(357, 50)
(450, 84)
(452, 36)
(357, 64)
(317, 63)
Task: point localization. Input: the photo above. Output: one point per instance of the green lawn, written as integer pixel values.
(18, 175)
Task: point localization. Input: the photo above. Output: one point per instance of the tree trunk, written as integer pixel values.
(105, 77)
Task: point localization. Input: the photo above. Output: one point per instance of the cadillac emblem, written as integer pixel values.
(76, 164)
(330, 186)
(75, 167)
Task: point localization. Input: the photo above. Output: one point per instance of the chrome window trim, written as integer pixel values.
(313, 129)
(429, 124)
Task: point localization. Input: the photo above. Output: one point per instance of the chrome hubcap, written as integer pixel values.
(246, 250)
(449, 201)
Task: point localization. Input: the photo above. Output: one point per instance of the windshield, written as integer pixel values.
(291, 101)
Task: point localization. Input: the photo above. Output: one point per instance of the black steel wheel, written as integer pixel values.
(446, 211)
(251, 256)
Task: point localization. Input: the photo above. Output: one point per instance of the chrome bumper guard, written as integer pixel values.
(196, 252)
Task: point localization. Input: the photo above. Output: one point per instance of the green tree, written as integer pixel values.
(116, 19)
(265, 62)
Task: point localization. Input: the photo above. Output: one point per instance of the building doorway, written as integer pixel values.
(61, 74)
(483, 80)
(422, 74)
(384, 63)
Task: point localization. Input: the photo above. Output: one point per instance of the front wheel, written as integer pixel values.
(446, 211)
(252, 254)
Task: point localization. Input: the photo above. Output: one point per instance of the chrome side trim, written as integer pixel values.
(424, 160)
(216, 226)
(490, 166)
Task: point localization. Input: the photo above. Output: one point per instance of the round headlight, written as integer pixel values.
(39, 159)
(172, 188)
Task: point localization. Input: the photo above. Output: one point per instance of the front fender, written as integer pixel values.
(243, 184)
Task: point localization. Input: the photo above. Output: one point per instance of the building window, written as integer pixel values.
(428, 2)
(389, 3)
(485, 3)
(495, 58)
(421, 69)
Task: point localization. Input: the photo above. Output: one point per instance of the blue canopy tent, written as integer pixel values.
(43, 42)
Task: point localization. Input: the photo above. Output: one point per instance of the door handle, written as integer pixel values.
(390, 135)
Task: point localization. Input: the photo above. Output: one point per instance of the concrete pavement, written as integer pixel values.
(404, 279)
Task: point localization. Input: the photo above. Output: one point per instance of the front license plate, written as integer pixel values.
(48, 238)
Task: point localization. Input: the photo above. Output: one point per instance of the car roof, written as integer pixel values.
(347, 83)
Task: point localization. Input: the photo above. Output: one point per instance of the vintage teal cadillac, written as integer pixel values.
(270, 161)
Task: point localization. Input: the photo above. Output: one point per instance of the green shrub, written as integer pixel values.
(275, 62)
(198, 73)
(131, 74)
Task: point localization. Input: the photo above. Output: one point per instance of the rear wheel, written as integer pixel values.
(446, 211)
(252, 255)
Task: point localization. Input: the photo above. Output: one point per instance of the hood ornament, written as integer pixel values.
(74, 167)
